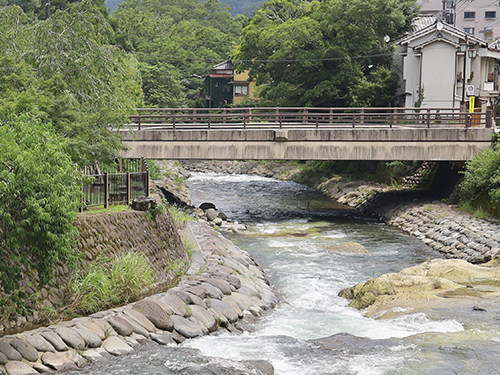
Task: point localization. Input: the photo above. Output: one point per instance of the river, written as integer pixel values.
(291, 229)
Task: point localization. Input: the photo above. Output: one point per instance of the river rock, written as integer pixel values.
(19, 368)
(122, 326)
(55, 340)
(138, 317)
(39, 343)
(174, 303)
(116, 346)
(95, 328)
(70, 337)
(92, 340)
(153, 311)
(204, 317)
(163, 339)
(93, 356)
(349, 247)
(224, 308)
(190, 298)
(211, 214)
(213, 292)
(222, 285)
(27, 351)
(231, 302)
(136, 327)
(42, 369)
(9, 351)
(3, 359)
(58, 361)
(185, 327)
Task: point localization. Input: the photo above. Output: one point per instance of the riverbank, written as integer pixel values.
(223, 290)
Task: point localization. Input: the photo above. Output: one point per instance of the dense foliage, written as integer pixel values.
(177, 43)
(63, 85)
(39, 198)
(325, 53)
(480, 188)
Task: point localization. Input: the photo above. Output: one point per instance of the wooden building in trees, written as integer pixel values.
(224, 86)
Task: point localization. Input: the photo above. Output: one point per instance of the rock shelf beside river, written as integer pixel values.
(223, 287)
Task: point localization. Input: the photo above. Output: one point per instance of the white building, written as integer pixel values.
(430, 61)
(477, 17)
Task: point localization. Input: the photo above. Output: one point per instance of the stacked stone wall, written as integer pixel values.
(109, 235)
(454, 233)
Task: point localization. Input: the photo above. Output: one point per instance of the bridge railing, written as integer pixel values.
(304, 117)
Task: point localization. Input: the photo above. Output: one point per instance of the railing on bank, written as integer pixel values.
(304, 117)
(113, 188)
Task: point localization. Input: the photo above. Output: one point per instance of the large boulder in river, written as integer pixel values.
(211, 214)
(349, 247)
(426, 286)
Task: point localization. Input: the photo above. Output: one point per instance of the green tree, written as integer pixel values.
(40, 193)
(177, 42)
(324, 53)
(68, 70)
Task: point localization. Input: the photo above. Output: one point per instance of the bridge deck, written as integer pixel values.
(369, 134)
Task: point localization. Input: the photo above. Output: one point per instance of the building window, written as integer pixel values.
(240, 90)
(490, 15)
(469, 15)
(469, 30)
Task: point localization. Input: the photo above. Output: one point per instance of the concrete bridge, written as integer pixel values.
(436, 134)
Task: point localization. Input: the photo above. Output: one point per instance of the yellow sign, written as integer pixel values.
(472, 100)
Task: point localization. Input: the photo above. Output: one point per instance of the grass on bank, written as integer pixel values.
(111, 282)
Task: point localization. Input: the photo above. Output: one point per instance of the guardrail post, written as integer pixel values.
(127, 188)
(317, 121)
(224, 112)
(330, 117)
(164, 116)
(353, 120)
(249, 115)
(138, 121)
(467, 121)
(244, 121)
(277, 117)
(147, 183)
(209, 117)
(489, 118)
(428, 120)
(106, 190)
(173, 123)
(362, 120)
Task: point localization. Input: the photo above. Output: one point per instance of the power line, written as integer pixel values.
(273, 61)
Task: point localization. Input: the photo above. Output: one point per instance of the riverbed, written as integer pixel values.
(291, 233)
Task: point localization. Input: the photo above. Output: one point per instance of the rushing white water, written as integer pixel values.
(291, 229)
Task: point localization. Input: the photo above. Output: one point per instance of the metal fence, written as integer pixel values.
(114, 188)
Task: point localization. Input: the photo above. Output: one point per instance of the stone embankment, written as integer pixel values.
(223, 286)
(453, 233)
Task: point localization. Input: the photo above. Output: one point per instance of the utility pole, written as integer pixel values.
(47, 9)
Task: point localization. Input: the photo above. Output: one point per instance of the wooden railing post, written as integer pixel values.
(428, 119)
(362, 119)
(224, 112)
(106, 190)
(277, 117)
(138, 120)
(489, 118)
(173, 123)
(305, 115)
(330, 117)
(249, 115)
(164, 116)
(354, 120)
